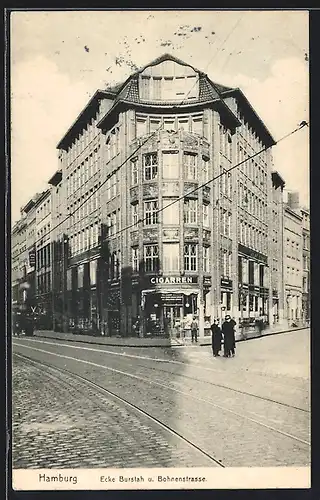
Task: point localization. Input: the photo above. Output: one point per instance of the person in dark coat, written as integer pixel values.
(229, 336)
(216, 338)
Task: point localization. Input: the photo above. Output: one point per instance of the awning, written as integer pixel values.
(163, 290)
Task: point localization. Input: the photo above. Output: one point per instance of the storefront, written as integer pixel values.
(168, 305)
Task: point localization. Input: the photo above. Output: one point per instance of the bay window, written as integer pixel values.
(190, 257)
(171, 212)
(171, 257)
(170, 165)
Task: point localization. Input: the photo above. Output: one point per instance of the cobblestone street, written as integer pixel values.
(252, 410)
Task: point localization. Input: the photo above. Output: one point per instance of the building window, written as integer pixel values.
(170, 168)
(135, 259)
(205, 259)
(145, 87)
(190, 166)
(190, 257)
(197, 125)
(205, 168)
(151, 258)
(205, 213)
(150, 164)
(190, 211)
(134, 171)
(171, 257)
(171, 212)
(151, 212)
(134, 213)
(141, 126)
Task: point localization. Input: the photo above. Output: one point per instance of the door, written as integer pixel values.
(172, 320)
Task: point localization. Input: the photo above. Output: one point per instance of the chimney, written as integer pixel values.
(293, 200)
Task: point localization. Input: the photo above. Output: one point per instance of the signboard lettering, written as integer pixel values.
(173, 280)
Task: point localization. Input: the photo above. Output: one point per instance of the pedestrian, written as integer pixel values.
(216, 338)
(194, 329)
(229, 336)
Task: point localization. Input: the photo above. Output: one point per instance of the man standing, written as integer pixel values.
(216, 338)
(229, 337)
(194, 330)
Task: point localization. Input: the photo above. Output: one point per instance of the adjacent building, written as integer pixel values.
(293, 243)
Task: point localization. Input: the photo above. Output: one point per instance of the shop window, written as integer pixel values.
(190, 257)
(170, 165)
(151, 258)
(150, 165)
(150, 212)
(171, 257)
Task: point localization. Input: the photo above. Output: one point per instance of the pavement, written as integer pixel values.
(216, 403)
(154, 342)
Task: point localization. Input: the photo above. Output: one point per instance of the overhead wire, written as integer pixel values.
(226, 172)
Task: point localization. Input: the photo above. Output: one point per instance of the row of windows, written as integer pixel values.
(170, 212)
(168, 88)
(85, 239)
(84, 206)
(253, 237)
(112, 188)
(44, 231)
(83, 173)
(44, 209)
(83, 140)
(189, 123)
(171, 258)
(251, 272)
(254, 169)
(114, 222)
(43, 257)
(44, 283)
(192, 170)
(252, 203)
(251, 137)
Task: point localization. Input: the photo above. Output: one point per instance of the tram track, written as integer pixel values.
(107, 392)
(167, 387)
(141, 361)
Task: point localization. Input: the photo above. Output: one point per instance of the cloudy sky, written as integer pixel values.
(59, 59)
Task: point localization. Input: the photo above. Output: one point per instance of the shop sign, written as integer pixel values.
(172, 299)
(225, 283)
(207, 280)
(173, 280)
(32, 258)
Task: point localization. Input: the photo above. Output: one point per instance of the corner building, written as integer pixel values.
(149, 243)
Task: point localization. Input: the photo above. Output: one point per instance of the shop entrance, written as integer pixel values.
(172, 320)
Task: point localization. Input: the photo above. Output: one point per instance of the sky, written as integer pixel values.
(60, 58)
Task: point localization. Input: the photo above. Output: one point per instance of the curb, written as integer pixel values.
(177, 345)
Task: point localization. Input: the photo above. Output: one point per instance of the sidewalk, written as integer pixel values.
(152, 342)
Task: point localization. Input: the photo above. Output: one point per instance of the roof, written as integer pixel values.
(56, 178)
(277, 180)
(237, 93)
(87, 110)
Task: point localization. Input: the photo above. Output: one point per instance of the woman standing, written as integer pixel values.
(216, 338)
